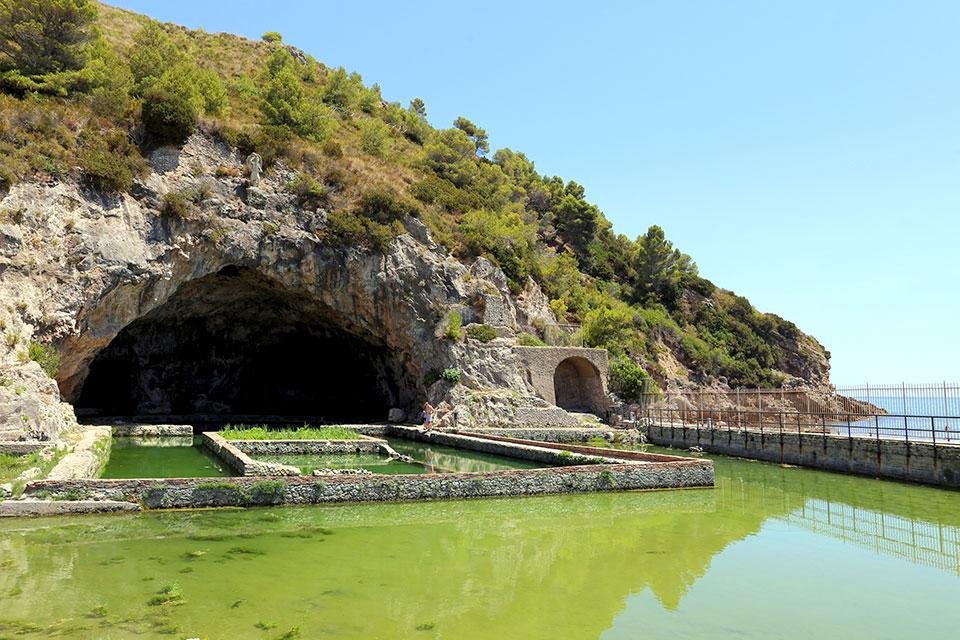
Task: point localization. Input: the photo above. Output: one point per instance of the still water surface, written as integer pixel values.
(166, 457)
(772, 552)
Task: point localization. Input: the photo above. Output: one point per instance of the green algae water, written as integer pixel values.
(430, 458)
(167, 457)
(442, 459)
(771, 553)
(369, 461)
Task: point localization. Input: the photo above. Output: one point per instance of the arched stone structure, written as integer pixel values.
(572, 378)
(577, 386)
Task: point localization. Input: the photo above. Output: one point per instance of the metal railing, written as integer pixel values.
(865, 412)
(931, 544)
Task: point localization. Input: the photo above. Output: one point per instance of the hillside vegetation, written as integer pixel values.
(88, 90)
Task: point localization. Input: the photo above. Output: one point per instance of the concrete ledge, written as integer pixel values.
(24, 508)
(144, 430)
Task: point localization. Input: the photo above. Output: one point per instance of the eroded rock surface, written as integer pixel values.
(235, 277)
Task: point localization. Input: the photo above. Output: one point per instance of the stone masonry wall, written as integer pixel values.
(152, 430)
(293, 447)
(541, 365)
(898, 460)
(202, 492)
(510, 448)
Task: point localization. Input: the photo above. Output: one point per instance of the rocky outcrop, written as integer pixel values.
(119, 279)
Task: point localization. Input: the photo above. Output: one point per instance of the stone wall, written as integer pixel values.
(894, 459)
(563, 434)
(510, 448)
(245, 491)
(21, 448)
(240, 462)
(574, 378)
(320, 447)
(152, 430)
(90, 453)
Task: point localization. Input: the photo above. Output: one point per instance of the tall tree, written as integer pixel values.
(659, 267)
(153, 54)
(418, 108)
(42, 37)
(576, 219)
(475, 133)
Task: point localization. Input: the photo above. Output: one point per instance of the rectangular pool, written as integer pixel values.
(162, 457)
(427, 458)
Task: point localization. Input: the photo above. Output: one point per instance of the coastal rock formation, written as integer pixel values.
(237, 306)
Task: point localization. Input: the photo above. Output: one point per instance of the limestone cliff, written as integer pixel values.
(123, 288)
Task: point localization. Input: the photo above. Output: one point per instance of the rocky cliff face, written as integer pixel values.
(133, 299)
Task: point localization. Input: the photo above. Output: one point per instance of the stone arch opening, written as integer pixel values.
(238, 342)
(577, 386)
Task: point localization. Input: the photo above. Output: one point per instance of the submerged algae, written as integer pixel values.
(790, 542)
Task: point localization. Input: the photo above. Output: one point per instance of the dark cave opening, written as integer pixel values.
(238, 343)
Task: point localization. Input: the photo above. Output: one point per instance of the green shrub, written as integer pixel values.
(503, 237)
(341, 90)
(450, 375)
(332, 149)
(481, 332)
(272, 37)
(175, 205)
(309, 193)
(270, 142)
(46, 356)
(306, 432)
(267, 492)
(374, 137)
(285, 104)
(435, 190)
(104, 169)
(344, 227)
(530, 340)
(385, 206)
(628, 379)
(168, 118)
(454, 330)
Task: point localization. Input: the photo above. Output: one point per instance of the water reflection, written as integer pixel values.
(663, 563)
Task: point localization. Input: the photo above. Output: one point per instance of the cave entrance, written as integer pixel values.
(239, 343)
(577, 386)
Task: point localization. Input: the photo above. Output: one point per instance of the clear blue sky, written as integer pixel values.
(806, 154)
